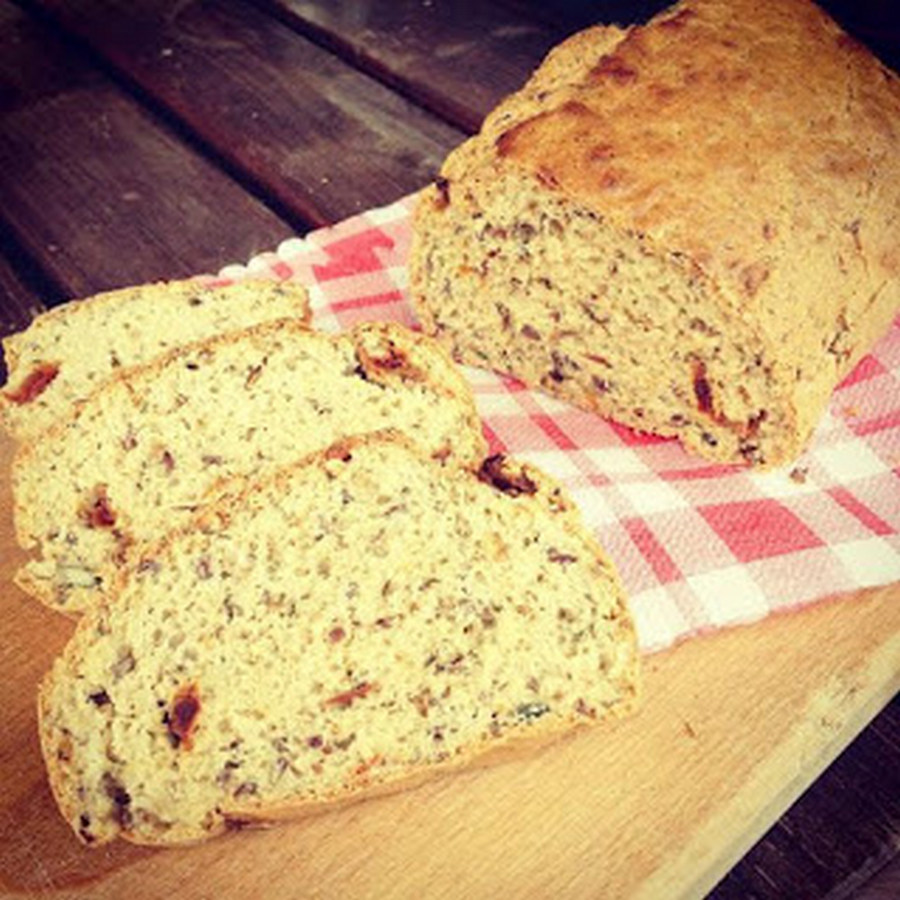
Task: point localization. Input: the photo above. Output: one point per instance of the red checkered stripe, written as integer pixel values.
(699, 546)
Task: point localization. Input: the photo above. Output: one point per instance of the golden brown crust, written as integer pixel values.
(245, 816)
(737, 102)
(510, 749)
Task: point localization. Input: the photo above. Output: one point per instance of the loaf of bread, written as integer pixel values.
(346, 626)
(689, 226)
(66, 352)
(150, 445)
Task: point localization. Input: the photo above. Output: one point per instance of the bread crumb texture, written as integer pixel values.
(689, 226)
(147, 448)
(68, 351)
(345, 626)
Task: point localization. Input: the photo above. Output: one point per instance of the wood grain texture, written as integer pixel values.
(849, 817)
(733, 727)
(458, 58)
(576, 14)
(24, 292)
(320, 140)
(19, 303)
(97, 190)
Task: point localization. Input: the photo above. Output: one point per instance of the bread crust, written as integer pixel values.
(240, 817)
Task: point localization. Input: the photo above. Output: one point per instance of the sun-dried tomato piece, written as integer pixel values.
(492, 472)
(702, 390)
(443, 189)
(346, 698)
(181, 718)
(35, 383)
(97, 511)
(392, 359)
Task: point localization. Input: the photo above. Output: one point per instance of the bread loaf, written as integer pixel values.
(689, 226)
(149, 446)
(346, 626)
(66, 352)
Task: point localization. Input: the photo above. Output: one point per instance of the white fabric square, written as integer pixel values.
(557, 463)
(291, 247)
(652, 497)
(850, 461)
(779, 484)
(497, 403)
(399, 276)
(551, 406)
(616, 460)
(729, 596)
(595, 510)
(871, 561)
(657, 618)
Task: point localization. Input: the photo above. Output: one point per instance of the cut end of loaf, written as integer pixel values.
(360, 623)
(538, 287)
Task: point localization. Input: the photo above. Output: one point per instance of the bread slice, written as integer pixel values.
(689, 226)
(343, 627)
(66, 352)
(147, 448)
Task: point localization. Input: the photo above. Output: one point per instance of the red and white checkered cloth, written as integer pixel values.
(699, 546)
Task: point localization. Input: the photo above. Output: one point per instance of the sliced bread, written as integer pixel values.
(68, 351)
(346, 626)
(149, 446)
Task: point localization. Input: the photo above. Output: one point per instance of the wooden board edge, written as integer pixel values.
(834, 716)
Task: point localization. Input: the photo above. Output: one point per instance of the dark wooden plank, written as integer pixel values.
(457, 57)
(841, 833)
(874, 22)
(460, 57)
(883, 885)
(19, 301)
(320, 138)
(95, 189)
(573, 15)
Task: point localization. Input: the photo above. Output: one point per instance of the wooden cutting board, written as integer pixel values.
(733, 727)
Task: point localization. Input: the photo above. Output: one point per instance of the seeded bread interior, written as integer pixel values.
(146, 449)
(345, 626)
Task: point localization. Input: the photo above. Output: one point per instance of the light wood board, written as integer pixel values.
(732, 728)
